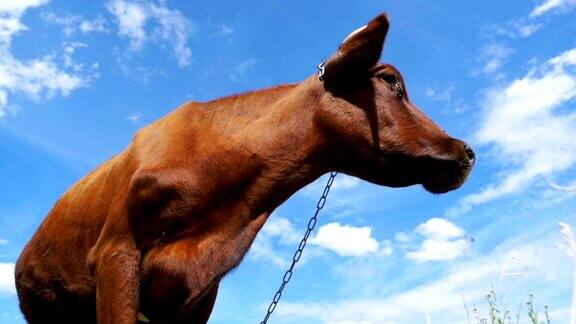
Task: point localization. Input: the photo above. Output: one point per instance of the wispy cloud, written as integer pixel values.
(492, 57)
(225, 30)
(168, 26)
(240, 72)
(277, 230)
(563, 188)
(135, 117)
(72, 24)
(515, 28)
(528, 128)
(526, 26)
(526, 30)
(67, 56)
(440, 94)
(552, 5)
(36, 78)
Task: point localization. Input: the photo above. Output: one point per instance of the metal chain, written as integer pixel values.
(311, 223)
(321, 70)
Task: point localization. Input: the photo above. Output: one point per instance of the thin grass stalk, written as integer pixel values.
(570, 242)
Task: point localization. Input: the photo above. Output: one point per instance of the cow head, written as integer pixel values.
(371, 128)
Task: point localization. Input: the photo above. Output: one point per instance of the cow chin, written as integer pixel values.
(446, 179)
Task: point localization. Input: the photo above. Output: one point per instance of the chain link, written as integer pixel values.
(321, 70)
(311, 224)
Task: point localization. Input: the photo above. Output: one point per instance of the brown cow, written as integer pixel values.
(158, 226)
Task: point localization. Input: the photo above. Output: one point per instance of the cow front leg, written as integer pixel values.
(117, 274)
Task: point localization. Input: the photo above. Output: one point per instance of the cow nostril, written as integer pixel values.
(469, 153)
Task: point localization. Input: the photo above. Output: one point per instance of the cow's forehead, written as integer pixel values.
(386, 68)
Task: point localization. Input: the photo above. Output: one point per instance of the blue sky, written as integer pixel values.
(77, 80)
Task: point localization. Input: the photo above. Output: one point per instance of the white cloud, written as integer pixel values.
(530, 124)
(439, 228)
(439, 250)
(7, 285)
(36, 78)
(10, 14)
(3, 241)
(17, 8)
(550, 5)
(74, 23)
(282, 228)
(169, 26)
(346, 240)
(565, 59)
(131, 18)
(443, 240)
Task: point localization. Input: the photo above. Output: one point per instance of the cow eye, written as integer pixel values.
(390, 78)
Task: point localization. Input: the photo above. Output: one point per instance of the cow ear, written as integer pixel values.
(359, 52)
